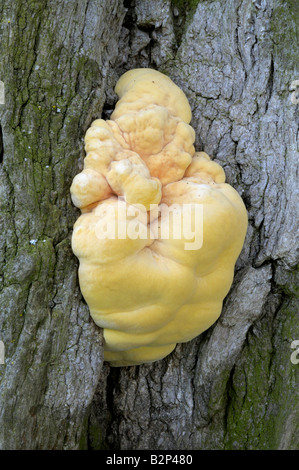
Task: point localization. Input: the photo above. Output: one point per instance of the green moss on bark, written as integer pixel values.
(285, 35)
(262, 407)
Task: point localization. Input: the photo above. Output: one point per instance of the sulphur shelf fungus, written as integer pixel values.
(160, 230)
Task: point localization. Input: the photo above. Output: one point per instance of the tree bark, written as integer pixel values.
(233, 387)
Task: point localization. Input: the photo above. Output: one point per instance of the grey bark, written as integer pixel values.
(233, 387)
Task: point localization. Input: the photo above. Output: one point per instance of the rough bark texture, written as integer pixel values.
(234, 387)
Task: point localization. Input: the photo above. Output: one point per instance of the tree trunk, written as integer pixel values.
(233, 387)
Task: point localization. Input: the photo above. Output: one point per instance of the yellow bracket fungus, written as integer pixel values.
(150, 292)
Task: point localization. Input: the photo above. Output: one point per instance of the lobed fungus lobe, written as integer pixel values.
(150, 292)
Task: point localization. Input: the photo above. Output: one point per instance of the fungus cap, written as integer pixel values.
(146, 86)
(141, 177)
